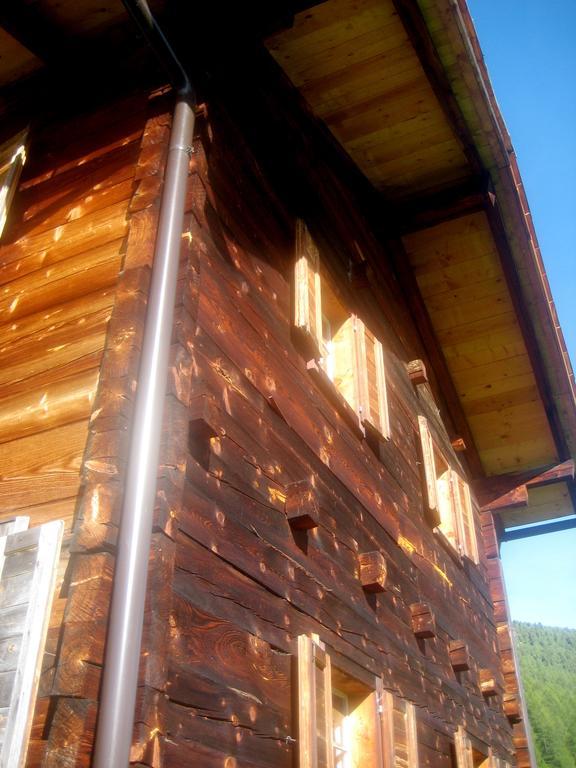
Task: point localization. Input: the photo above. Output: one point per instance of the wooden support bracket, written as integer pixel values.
(459, 657)
(302, 506)
(423, 621)
(373, 571)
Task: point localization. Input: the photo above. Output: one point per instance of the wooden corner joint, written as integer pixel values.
(423, 621)
(417, 372)
(302, 506)
(373, 571)
(459, 656)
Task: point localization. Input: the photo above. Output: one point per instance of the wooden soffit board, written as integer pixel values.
(460, 277)
(353, 62)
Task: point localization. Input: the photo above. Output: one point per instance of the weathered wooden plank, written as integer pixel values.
(89, 271)
(62, 403)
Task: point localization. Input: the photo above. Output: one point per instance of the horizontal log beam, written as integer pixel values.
(444, 205)
(511, 490)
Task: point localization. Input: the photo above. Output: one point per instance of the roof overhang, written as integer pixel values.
(403, 88)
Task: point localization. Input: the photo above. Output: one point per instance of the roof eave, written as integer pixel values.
(451, 29)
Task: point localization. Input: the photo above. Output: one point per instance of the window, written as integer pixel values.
(28, 566)
(399, 727)
(12, 158)
(448, 496)
(347, 352)
(338, 722)
(498, 762)
(470, 752)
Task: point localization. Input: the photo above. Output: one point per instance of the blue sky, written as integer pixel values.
(530, 51)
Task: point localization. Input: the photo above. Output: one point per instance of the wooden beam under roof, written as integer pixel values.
(430, 210)
(511, 490)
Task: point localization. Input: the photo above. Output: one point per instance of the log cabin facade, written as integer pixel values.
(367, 387)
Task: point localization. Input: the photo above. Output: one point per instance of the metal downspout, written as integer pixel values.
(123, 645)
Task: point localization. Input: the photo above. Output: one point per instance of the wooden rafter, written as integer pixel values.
(511, 490)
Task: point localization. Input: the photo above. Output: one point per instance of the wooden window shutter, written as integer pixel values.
(344, 374)
(498, 762)
(427, 446)
(446, 493)
(466, 518)
(373, 402)
(314, 705)
(12, 158)
(463, 746)
(28, 567)
(307, 293)
(400, 740)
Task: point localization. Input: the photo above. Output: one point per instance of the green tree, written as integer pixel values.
(547, 657)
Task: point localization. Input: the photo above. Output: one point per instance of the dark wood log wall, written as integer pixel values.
(245, 584)
(231, 584)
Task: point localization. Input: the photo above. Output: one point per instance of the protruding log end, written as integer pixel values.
(373, 571)
(423, 621)
(512, 708)
(417, 372)
(459, 657)
(488, 683)
(302, 506)
(458, 444)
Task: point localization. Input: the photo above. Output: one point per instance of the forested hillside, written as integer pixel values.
(548, 665)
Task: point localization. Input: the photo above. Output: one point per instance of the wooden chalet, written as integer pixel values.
(311, 423)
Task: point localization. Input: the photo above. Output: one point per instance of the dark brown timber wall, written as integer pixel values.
(244, 421)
